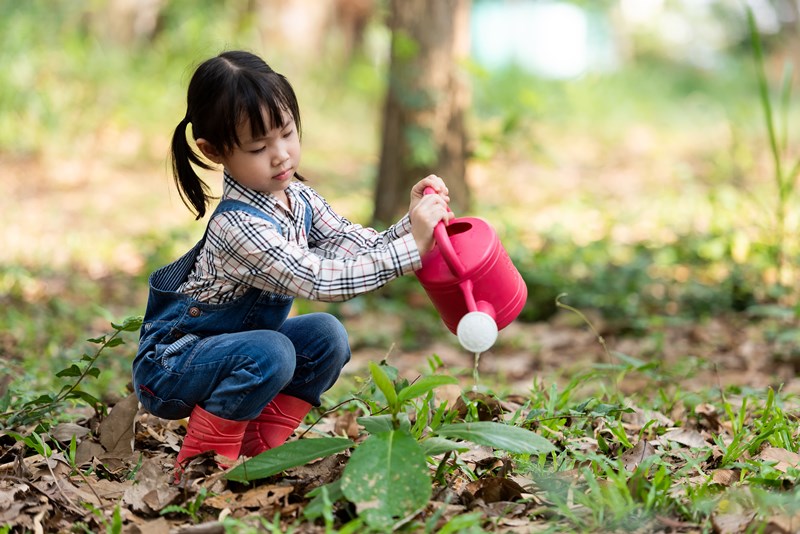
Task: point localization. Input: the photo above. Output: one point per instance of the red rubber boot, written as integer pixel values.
(274, 425)
(207, 432)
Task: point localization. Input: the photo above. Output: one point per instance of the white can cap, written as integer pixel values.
(477, 331)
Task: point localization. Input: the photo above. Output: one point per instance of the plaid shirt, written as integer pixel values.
(336, 261)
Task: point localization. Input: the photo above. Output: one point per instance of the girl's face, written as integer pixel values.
(266, 164)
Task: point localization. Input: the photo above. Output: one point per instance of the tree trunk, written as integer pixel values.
(423, 127)
(126, 21)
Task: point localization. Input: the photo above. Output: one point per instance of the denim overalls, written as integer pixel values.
(232, 358)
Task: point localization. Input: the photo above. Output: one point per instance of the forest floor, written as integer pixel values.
(63, 213)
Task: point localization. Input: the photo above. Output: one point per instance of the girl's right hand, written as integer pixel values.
(426, 215)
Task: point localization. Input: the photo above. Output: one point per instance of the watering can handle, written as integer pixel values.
(443, 240)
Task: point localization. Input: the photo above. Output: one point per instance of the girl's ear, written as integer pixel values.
(209, 150)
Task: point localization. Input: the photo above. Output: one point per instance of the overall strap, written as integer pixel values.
(170, 277)
(230, 204)
(309, 214)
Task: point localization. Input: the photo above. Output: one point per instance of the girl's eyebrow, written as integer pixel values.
(288, 123)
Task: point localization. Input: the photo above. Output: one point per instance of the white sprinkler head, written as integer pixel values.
(477, 331)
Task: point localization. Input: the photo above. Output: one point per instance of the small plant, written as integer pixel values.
(38, 409)
(387, 476)
(190, 508)
(785, 173)
(113, 526)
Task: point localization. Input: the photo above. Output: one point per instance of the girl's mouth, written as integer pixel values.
(285, 175)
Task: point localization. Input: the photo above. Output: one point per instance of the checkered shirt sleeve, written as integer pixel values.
(336, 261)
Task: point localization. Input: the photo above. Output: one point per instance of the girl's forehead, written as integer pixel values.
(268, 120)
(246, 131)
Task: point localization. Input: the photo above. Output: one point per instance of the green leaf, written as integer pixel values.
(116, 520)
(115, 342)
(41, 399)
(384, 423)
(499, 436)
(88, 398)
(72, 370)
(376, 423)
(17, 437)
(322, 497)
(404, 46)
(129, 324)
(433, 446)
(387, 478)
(384, 384)
(286, 456)
(423, 386)
(174, 509)
(602, 410)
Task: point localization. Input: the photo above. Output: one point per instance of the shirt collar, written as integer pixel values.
(264, 201)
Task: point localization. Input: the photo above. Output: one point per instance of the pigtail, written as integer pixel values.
(194, 192)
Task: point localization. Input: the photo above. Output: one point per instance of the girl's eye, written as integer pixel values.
(258, 150)
(288, 133)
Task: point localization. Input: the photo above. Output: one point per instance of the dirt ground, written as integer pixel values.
(722, 352)
(92, 215)
(66, 212)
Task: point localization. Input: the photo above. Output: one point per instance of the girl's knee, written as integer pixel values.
(328, 324)
(336, 334)
(330, 327)
(275, 356)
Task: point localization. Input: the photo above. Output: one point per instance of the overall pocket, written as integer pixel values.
(165, 409)
(167, 355)
(154, 386)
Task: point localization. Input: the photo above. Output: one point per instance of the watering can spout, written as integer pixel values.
(485, 307)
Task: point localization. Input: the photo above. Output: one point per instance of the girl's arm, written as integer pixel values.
(333, 236)
(257, 255)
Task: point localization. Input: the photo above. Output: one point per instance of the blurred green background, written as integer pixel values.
(620, 148)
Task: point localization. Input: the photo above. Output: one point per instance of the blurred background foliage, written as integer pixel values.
(620, 149)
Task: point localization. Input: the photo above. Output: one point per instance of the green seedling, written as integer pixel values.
(191, 508)
(785, 172)
(43, 406)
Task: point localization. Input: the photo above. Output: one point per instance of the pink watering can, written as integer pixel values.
(471, 281)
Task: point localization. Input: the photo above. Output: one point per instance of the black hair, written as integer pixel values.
(224, 91)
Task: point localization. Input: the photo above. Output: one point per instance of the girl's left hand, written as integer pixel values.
(418, 191)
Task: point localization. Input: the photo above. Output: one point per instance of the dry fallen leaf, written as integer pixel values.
(709, 415)
(495, 489)
(635, 456)
(690, 438)
(783, 524)
(731, 523)
(64, 432)
(725, 477)
(259, 498)
(785, 459)
(152, 490)
(116, 430)
(87, 450)
(346, 425)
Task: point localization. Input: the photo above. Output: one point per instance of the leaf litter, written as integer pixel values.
(122, 463)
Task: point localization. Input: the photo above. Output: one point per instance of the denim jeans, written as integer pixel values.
(232, 358)
(234, 376)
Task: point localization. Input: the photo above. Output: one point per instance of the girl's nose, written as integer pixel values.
(279, 156)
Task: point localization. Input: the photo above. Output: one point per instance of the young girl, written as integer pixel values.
(216, 344)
